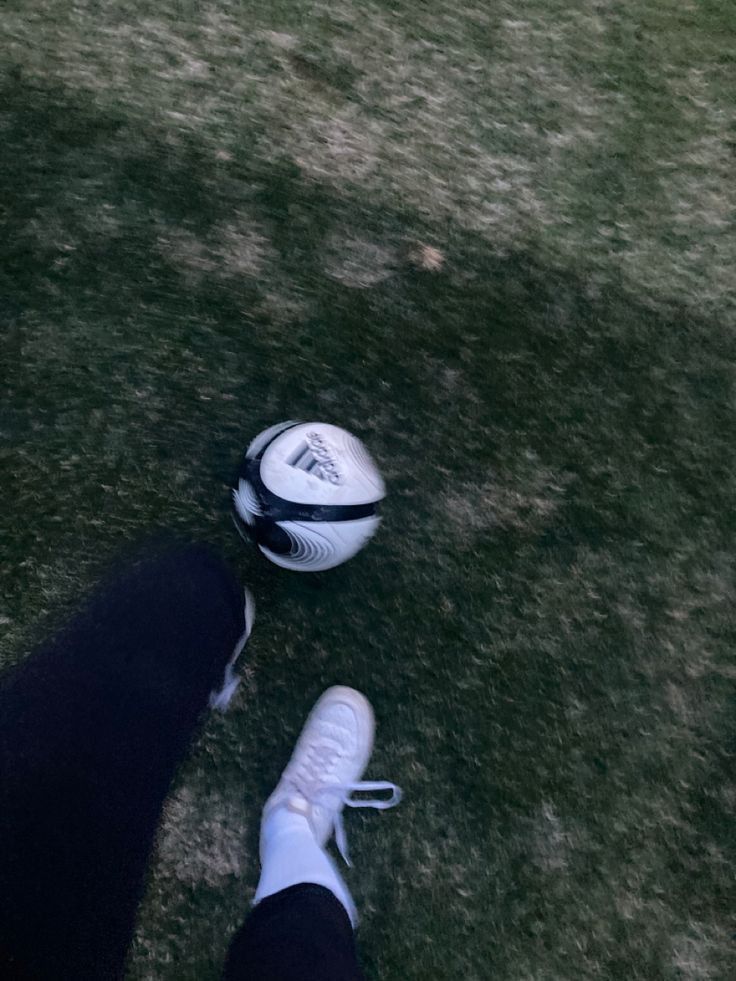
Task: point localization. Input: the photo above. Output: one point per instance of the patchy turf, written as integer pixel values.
(499, 246)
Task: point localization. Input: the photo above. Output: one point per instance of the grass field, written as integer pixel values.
(498, 244)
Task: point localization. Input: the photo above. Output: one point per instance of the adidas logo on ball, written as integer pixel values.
(296, 521)
(316, 456)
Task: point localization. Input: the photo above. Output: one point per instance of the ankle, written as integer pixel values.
(284, 821)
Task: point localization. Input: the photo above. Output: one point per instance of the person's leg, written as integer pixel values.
(301, 928)
(302, 933)
(92, 728)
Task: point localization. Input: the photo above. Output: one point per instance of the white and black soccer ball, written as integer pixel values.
(307, 493)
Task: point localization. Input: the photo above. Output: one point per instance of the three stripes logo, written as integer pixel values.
(315, 455)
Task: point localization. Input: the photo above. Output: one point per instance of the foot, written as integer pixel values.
(326, 766)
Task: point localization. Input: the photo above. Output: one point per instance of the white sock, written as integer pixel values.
(290, 856)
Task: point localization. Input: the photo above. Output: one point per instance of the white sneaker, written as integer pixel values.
(326, 766)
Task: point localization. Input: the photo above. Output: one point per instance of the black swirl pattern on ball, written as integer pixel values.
(309, 550)
(246, 501)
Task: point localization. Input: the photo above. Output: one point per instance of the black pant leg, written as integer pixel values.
(302, 933)
(92, 728)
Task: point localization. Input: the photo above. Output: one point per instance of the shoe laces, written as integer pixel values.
(334, 796)
(378, 803)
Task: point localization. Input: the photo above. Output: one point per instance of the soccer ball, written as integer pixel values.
(307, 494)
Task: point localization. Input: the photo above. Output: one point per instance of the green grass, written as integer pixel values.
(212, 218)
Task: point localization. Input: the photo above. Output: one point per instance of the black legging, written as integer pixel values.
(92, 729)
(300, 934)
